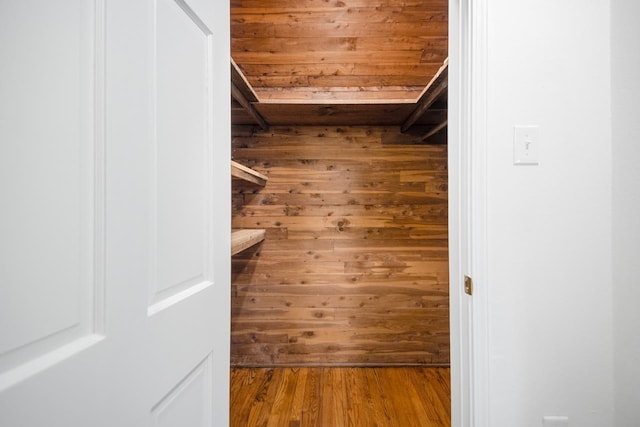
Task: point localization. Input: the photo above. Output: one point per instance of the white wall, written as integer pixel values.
(625, 62)
(549, 226)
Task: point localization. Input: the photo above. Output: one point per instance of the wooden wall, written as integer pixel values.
(354, 268)
(316, 50)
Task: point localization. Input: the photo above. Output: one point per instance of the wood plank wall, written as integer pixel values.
(354, 267)
(339, 49)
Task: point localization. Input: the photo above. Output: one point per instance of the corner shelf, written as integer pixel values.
(247, 174)
(244, 239)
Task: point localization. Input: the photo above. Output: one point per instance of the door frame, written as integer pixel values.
(468, 55)
(468, 244)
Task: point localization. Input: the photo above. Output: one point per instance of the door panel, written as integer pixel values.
(51, 185)
(189, 402)
(181, 183)
(114, 144)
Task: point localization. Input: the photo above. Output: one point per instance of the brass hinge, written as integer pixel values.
(468, 285)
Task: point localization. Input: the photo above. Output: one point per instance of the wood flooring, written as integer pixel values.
(337, 397)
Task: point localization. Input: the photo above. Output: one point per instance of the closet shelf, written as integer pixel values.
(247, 174)
(244, 239)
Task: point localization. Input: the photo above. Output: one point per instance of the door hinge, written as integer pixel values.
(468, 285)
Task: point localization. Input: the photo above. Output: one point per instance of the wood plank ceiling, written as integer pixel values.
(339, 61)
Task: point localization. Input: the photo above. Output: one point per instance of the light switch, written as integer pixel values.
(525, 145)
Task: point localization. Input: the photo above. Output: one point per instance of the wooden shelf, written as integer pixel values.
(242, 92)
(247, 174)
(434, 90)
(244, 239)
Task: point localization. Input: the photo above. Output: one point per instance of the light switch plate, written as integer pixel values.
(525, 145)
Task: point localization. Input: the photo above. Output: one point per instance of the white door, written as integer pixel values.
(115, 213)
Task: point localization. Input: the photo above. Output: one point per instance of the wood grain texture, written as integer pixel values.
(310, 397)
(244, 239)
(244, 173)
(240, 81)
(431, 93)
(332, 45)
(242, 93)
(340, 115)
(354, 266)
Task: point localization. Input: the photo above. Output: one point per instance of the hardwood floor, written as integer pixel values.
(337, 397)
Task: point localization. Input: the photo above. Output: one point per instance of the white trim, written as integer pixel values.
(221, 122)
(478, 198)
(458, 404)
(468, 212)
